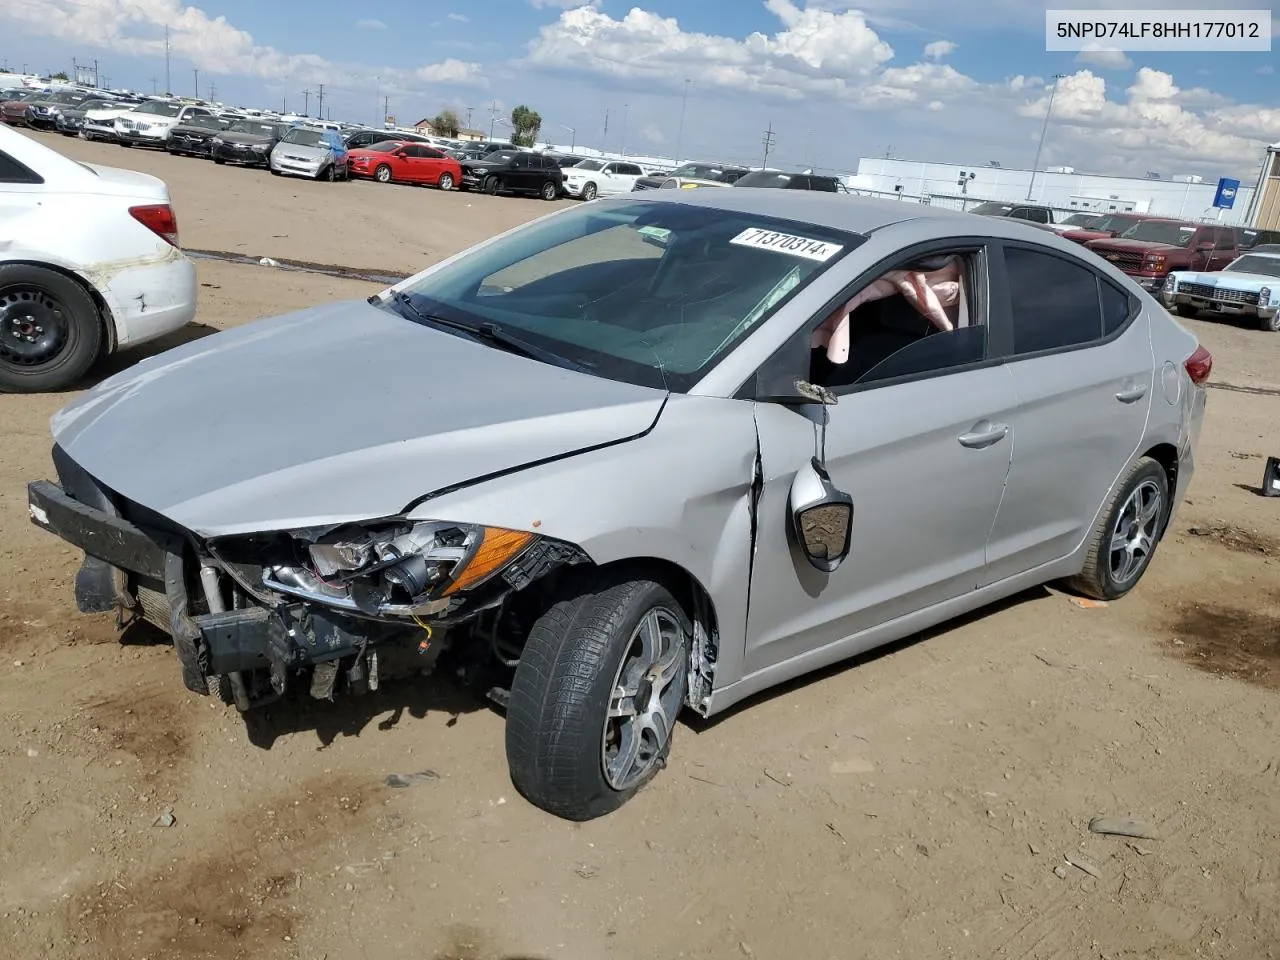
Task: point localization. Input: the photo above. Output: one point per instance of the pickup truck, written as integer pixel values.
(1152, 249)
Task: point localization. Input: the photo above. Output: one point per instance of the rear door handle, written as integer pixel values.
(984, 434)
(1132, 394)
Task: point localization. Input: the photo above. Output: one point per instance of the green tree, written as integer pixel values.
(446, 123)
(525, 125)
(60, 75)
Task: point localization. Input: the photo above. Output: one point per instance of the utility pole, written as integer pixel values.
(469, 112)
(213, 93)
(386, 109)
(154, 87)
(197, 75)
(306, 103)
(168, 79)
(622, 152)
(604, 141)
(320, 96)
(95, 74)
(1053, 92)
(684, 102)
(768, 140)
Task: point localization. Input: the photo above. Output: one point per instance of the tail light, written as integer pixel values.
(1199, 365)
(159, 219)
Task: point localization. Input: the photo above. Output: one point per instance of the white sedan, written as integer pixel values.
(601, 178)
(89, 263)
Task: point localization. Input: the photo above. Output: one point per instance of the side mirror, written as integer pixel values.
(821, 517)
(1205, 247)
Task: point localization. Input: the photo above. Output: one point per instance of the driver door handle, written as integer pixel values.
(984, 434)
(1132, 394)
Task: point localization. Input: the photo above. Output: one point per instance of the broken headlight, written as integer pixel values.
(404, 568)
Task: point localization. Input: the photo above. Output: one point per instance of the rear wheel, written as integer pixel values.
(446, 181)
(50, 330)
(1127, 533)
(549, 190)
(594, 701)
(382, 174)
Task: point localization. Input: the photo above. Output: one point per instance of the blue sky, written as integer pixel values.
(836, 79)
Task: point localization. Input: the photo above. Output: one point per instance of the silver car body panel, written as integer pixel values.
(348, 412)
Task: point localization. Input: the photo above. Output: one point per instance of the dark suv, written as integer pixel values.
(362, 139)
(789, 181)
(514, 171)
(1015, 211)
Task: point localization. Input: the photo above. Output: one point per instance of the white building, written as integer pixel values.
(1187, 197)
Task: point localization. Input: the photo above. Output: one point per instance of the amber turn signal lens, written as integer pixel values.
(497, 549)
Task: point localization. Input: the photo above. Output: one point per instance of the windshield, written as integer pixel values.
(992, 209)
(1161, 231)
(157, 108)
(202, 121)
(1081, 220)
(498, 156)
(1116, 224)
(1256, 263)
(764, 178)
(700, 171)
(69, 99)
(589, 165)
(248, 126)
(649, 293)
(305, 137)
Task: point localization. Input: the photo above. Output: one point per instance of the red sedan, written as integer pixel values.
(395, 162)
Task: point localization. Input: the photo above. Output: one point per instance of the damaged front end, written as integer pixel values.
(251, 616)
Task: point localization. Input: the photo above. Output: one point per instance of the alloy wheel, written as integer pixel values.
(446, 181)
(1133, 538)
(645, 700)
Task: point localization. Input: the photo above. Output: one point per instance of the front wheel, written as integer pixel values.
(328, 173)
(1271, 324)
(1127, 533)
(595, 698)
(549, 190)
(219, 161)
(589, 192)
(382, 174)
(50, 330)
(446, 181)
(491, 185)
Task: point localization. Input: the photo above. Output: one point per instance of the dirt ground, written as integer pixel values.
(917, 804)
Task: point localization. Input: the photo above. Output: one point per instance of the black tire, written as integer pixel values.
(445, 182)
(589, 192)
(58, 327)
(557, 737)
(549, 190)
(219, 161)
(382, 174)
(1270, 324)
(125, 143)
(1186, 310)
(1099, 579)
(492, 185)
(328, 173)
(275, 172)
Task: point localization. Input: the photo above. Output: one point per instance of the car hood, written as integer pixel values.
(1231, 278)
(248, 139)
(107, 113)
(485, 164)
(338, 413)
(304, 151)
(193, 131)
(1145, 246)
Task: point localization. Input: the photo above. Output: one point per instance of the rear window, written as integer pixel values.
(11, 171)
(993, 209)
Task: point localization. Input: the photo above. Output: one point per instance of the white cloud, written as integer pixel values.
(651, 133)
(1155, 124)
(1266, 69)
(939, 49)
(371, 25)
(936, 106)
(1104, 58)
(212, 44)
(816, 52)
(460, 17)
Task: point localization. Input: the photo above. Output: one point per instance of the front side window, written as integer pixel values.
(649, 293)
(11, 171)
(1053, 301)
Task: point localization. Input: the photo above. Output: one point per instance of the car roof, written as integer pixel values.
(836, 211)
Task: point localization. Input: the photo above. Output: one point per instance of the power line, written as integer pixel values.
(769, 139)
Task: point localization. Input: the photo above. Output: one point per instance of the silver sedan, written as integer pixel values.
(645, 454)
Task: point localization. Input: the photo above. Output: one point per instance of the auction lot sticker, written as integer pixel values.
(805, 247)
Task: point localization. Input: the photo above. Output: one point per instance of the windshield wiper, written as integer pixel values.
(489, 333)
